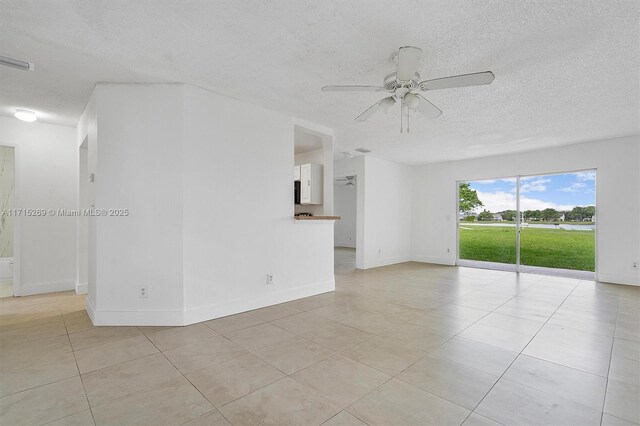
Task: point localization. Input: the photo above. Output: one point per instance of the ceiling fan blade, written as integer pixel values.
(408, 57)
(352, 89)
(428, 109)
(374, 108)
(475, 79)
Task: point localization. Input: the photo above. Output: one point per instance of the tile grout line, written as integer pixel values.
(415, 362)
(185, 377)
(606, 385)
(78, 368)
(520, 353)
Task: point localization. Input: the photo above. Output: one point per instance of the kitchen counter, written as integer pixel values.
(317, 217)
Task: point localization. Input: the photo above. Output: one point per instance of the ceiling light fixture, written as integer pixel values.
(16, 63)
(26, 115)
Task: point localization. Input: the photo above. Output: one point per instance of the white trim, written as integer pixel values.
(137, 318)
(386, 261)
(344, 246)
(82, 288)
(28, 290)
(208, 312)
(91, 310)
(435, 260)
(619, 279)
(202, 313)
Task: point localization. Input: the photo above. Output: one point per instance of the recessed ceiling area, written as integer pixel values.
(305, 141)
(565, 72)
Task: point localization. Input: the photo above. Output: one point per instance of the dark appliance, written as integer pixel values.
(296, 191)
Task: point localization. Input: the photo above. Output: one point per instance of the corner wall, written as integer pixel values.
(208, 183)
(617, 189)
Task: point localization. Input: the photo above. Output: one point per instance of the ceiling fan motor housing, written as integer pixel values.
(391, 83)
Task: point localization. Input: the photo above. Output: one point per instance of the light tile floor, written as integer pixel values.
(408, 344)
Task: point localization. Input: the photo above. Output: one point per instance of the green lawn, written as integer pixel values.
(551, 248)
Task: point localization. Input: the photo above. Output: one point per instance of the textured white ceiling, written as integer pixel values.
(566, 71)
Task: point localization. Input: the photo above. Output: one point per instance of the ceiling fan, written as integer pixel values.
(350, 180)
(405, 84)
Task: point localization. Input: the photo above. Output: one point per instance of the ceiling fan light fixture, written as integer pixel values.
(26, 115)
(387, 104)
(411, 100)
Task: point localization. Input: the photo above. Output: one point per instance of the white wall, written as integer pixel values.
(344, 205)
(387, 205)
(238, 205)
(617, 189)
(211, 208)
(383, 210)
(137, 167)
(46, 176)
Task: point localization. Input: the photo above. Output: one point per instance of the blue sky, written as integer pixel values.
(561, 192)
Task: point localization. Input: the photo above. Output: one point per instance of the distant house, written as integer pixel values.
(561, 219)
(464, 215)
(497, 217)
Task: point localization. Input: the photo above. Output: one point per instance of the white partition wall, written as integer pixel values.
(207, 183)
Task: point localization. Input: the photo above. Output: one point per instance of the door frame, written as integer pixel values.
(359, 215)
(518, 265)
(17, 220)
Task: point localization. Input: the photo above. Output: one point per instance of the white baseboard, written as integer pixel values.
(203, 313)
(435, 260)
(618, 279)
(91, 310)
(135, 318)
(82, 288)
(386, 261)
(30, 289)
(346, 245)
(208, 312)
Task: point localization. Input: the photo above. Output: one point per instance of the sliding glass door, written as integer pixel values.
(558, 221)
(486, 222)
(528, 223)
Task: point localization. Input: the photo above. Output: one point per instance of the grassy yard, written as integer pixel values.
(551, 248)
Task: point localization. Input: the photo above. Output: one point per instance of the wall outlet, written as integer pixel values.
(635, 264)
(143, 291)
(269, 279)
(379, 251)
(448, 250)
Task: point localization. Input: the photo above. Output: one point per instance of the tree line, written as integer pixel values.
(469, 201)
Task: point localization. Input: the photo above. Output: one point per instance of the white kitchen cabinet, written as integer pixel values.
(311, 185)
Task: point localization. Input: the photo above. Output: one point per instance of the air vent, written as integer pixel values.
(363, 150)
(17, 63)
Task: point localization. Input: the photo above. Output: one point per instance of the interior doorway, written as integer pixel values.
(7, 200)
(345, 230)
(536, 223)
